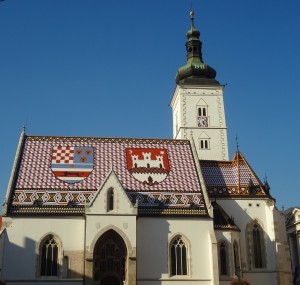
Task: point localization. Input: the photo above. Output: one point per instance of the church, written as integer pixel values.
(110, 211)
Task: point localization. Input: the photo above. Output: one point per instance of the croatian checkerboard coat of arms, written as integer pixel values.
(72, 164)
(147, 165)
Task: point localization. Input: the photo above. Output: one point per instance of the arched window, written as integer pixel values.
(178, 256)
(223, 258)
(110, 199)
(202, 111)
(257, 246)
(236, 258)
(204, 143)
(257, 249)
(49, 256)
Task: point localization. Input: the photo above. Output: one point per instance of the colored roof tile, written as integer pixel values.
(225, 178)
(57, 170)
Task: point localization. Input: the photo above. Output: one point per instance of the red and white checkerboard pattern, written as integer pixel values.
(62, 154)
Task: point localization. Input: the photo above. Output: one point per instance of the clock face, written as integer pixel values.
(202, 122)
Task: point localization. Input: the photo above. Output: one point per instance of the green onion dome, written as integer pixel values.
(195, 71)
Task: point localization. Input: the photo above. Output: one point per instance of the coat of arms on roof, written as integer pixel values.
(72, 164)
(147, 165)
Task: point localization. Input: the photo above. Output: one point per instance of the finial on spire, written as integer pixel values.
(192, 17)
(237, 143)
(265, 179)
(192, 14)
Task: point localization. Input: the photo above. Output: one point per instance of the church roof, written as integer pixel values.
(232, 178)
(221, 219)
(62, 174)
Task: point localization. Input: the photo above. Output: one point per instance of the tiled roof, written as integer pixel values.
(221, 219)
(231, 178)
(41, 176)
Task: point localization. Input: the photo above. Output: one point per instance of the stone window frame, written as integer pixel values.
(188, 257)
(251, 252)
(227, 267)
(60, 257)
(236, 257)
(110, 199)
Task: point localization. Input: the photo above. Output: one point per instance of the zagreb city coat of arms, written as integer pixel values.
(71, 163)
(148, 165)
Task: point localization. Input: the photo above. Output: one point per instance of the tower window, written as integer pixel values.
(202, 111)
(204, 143)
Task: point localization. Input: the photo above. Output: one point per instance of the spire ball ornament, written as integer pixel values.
(192, 14)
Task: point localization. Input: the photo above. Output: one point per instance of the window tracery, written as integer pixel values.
(178, 256)
(49, 256)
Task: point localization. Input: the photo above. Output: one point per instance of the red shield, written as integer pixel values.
(148, 165)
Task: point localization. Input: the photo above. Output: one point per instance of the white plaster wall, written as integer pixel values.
(22, 242)
(185, 105)
(177, 112)
(153, 238)
(244, 212)
(123, 225)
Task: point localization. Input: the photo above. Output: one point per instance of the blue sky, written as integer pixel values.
(107, 69)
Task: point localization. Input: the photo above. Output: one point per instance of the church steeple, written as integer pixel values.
(195, 71)
(197, 103)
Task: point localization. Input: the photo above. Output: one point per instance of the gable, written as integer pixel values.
(121, 204)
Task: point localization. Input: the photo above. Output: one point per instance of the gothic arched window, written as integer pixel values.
(236, 258)
(257, 246)
(223, 258)
(49, 256)
(110, 199)
(178, 256)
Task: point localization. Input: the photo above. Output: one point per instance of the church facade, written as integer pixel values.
(89, 210)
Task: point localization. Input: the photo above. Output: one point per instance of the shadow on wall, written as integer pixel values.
(24, 263)
(259, 253)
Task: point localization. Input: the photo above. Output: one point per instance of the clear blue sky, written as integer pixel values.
(107, 69)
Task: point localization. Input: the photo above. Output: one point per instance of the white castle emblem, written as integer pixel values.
(147, 161)
(149, 166)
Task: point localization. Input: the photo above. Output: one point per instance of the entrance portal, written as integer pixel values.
(110, 256)
(110, 280)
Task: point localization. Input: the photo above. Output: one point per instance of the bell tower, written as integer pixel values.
(197, 103)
